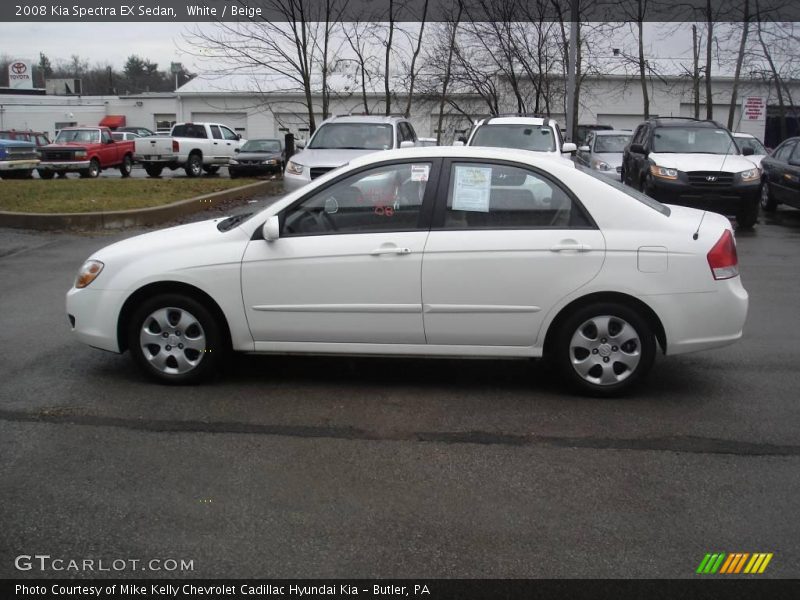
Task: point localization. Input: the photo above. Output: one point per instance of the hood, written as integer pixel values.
(726, 163)
(327, 157)
(16, 144)
(66, 145)
(257, 156)
(612, 159)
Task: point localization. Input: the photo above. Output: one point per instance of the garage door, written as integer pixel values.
(621, 121)
(236, 121)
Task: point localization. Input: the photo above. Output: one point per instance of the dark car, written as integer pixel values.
(258, 157)
(780, 180)
(693, 163)
(140, 131)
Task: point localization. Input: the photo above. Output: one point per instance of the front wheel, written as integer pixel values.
(93, 171)
(194, 166)
(747, 216)
(126, 167)
(768, 202)
(175, 339)
(604, 349)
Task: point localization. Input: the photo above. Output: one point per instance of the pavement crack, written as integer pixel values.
(677, 444)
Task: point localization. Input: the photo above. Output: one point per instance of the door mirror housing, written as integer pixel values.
(569, 148)
(272, 228)
(406, 144)
(638, 149)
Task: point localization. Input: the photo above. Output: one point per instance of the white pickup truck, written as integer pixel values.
(195, 147)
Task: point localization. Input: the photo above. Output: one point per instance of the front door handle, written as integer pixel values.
(570, 246)
(379, 251)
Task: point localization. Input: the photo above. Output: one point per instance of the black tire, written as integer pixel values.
(211, 169)
(126, 167)
(194, 166)
(45, 174)
(184, 364)
(233, 174)
(153, 170)
(93, 171)
(615, 368)
(767, 199)
(747, 216)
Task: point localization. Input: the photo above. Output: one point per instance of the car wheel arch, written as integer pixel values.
(632, 302)
(167, 287)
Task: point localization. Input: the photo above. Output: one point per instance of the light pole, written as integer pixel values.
(572, 59)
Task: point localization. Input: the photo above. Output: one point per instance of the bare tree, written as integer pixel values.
(412, 73)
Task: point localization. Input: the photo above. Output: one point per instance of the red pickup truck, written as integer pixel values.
(85, 150)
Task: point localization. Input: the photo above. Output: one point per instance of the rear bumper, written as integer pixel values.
(70, 165)
(156, 158)
(728, 200)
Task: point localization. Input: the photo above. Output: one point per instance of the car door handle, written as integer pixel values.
(570, 247)
(379, 251)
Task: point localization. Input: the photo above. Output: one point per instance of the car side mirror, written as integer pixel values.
(584, 148)
(638, 148)
(299, 144)
(406, 144)
(463, 140)
(238, 136)
(458, 143)
(236, 150)
(272, 228)
(569, 148)
(110, 141)
(748, 151)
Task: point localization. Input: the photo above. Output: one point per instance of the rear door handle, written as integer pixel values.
(570, 247)
(379, 251)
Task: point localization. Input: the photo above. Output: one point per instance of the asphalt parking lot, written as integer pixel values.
(367, 467)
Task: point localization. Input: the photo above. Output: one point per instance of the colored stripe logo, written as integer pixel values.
(734, 563)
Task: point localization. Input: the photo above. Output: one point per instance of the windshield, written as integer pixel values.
(611, 143)
(538, 138)
(693, 140)
(262, 146)
(79, 135)
(353, 136)
(758, 148)
(636, 195)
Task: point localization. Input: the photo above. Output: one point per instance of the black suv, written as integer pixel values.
(693, 163)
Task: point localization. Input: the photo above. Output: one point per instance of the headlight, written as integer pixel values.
(294, 168)
(663, 172)
(80, 153)
(750, 175)
(88, 273)
(233, 162)
(600, 165)
(270, 162)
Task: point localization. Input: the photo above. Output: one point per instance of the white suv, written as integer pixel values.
(535, 134)
(340, 139)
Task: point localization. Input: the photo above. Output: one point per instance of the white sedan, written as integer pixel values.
(437, 251)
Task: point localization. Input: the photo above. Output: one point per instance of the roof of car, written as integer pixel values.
(740, 134)
(514, 121)
(602, 132)
(683, 122)
(365, 119)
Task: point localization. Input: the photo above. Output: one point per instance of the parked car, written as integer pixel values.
(746, 140)
(37, 137)
(124, 136)
(422, 142)
(585, 129)
(425, 252)
(780, 181)
(342, 138)
(603, 151)
(258, 157)
(87, 151)
(18, 159)
(193, 147)
(694, 163)
(535, 134)
(140, 131)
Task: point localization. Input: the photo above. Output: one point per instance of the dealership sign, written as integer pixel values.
(20, 74)
(754, 108)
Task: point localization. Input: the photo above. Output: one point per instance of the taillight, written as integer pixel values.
(722, 257)
(175, 146)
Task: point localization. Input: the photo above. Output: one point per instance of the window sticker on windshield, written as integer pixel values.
(420, 172)
(472, 189)
(691, 137)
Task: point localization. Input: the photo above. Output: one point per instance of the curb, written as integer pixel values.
(119, 219)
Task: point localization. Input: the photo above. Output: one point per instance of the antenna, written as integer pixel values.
(699, 225)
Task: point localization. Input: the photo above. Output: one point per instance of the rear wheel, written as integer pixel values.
(768, 202)
(194, 166)
(176, 339)
(604, 349)
(126, 167)
(153, 170)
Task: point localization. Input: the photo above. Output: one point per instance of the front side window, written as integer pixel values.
(693, 140)
(491, 196)
(353, 136)
(228, 134)
(538, 138)
(384, 198)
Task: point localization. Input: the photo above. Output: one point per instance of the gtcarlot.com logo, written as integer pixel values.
(734, 563)
(45, 562)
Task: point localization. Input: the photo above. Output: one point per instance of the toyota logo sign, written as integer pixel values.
(19, 68)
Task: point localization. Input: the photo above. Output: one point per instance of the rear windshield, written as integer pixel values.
(538, 138)
(636, 195)
(189, 130)
(693, 140)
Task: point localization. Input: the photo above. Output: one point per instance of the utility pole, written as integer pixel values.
(571, 67)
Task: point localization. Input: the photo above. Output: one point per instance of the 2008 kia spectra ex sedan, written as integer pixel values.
(436, 251)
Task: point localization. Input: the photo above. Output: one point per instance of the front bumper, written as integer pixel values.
(15, 165)
(254, 169)
(725, 200)
(295, 182)
(71, 165)
(93, 316)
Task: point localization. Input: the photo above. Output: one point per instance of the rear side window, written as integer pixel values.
(644, 199)
(492, 196)
(189, 130)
